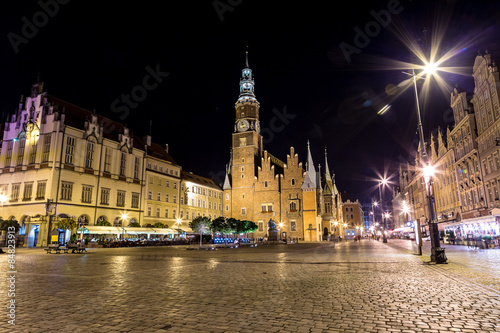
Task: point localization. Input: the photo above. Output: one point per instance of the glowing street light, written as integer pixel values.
(280, 225)
(124, 217)
(437, 253)
(3, 199)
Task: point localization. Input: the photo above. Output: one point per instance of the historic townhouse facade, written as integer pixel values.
(466, 188)
(260, 187)
(59, 161)
(200, 196)
(445, 186)
(162, 188)
(353, 217)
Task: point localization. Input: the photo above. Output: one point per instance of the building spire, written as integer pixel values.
(328, 178)
(246, 58)
(310, 178)
(247, 84)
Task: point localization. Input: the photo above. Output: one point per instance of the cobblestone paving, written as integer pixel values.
(363, 286)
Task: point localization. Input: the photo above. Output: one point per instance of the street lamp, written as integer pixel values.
(124, 218)
(386, 216)
(383, 181)
(280, 225)
(437, 252)
(3, 199)
(178, 222)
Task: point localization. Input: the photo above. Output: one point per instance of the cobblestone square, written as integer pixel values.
(365, 286)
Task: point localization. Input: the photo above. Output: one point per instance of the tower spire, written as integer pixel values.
(310, 178)
(246, 58)
(247, 84)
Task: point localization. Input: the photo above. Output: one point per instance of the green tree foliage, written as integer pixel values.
(104, 224)
(201, 224)
(134, 225)
(159, 225)
(5, 224)
(67, 224)
(249, 226)
(220, 225)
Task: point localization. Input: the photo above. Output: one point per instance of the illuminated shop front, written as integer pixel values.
(477, 227)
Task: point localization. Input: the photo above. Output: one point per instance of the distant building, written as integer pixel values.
(353, 217)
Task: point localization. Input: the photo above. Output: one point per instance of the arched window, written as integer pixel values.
(293, 207)
(83, 219)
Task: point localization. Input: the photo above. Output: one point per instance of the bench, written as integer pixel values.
(53, 247)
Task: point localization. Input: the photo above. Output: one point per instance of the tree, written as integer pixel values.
(103, 224)
(134, 224)
(67, 224)
(158, 225)
(6, 224)
(201, 224)
(220, 225)
(250, 226)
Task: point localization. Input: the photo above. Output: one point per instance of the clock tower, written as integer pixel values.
(246, 147)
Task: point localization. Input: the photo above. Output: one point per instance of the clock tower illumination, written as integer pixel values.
(246, 147)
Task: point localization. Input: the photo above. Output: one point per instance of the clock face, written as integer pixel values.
(246, 85)
(243, 125)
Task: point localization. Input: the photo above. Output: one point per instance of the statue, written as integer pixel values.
(271, 224)
(273, 231)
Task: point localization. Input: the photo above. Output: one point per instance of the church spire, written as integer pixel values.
(247, 84)
(310, 178)
(327, 169)
(246, 58)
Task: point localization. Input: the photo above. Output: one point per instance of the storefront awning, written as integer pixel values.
(100, 230)
(183, 228)
(163, 231)
(137, 230)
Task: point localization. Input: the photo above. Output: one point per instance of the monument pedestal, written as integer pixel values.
(273, 235)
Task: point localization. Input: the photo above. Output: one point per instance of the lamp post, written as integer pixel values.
(383, 181)
(335, 224)
(178, 222)
(437, 253)
(280, 225)
(124, 218)
(386, 216)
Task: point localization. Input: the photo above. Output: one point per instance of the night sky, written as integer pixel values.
(90, 55)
